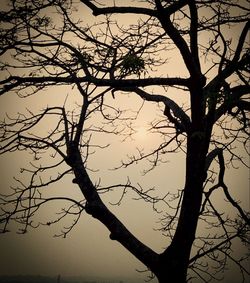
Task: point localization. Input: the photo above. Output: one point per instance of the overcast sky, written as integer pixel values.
(87, 250)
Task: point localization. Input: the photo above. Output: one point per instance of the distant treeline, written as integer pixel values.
(27, 279)
(39, 279)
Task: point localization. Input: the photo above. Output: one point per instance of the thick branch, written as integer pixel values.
(98, 210)
(170, 104)
(241, 42)
(194, 32)
(14, 81)
(132, 10)
(211, 156)
(174, 34)
(236, 63)
(117, 10)
(234, 100)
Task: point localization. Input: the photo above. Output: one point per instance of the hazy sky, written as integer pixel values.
(87, 250)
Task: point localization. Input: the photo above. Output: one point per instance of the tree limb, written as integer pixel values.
(184, 123)
(225, 188)
(117, 10)
(14, 81)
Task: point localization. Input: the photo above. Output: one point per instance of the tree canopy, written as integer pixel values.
(190, 59)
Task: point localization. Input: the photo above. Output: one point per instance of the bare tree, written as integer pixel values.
(203, 102)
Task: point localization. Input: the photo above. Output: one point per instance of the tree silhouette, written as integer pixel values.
(49, 46)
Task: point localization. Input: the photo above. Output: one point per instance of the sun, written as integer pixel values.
(140, 133)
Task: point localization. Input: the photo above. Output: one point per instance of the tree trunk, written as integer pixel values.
(176, 278)
(174, 260)
(171, 269)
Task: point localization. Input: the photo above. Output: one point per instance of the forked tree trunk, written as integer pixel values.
(171, 266)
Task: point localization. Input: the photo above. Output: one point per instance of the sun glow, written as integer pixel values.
(141, 133)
